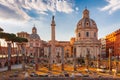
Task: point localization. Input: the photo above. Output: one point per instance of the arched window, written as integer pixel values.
(79, 35)
(87, 23)
(87, 34)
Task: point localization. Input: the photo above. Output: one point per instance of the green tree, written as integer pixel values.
(11, 38)
(7, 38)
(1, 29)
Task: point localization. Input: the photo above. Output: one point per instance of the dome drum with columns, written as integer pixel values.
(86, 28)
(86, 36)
(34, 34)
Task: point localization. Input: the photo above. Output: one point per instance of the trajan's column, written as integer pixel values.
(53, 56)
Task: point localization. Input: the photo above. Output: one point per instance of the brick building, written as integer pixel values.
(113, 42)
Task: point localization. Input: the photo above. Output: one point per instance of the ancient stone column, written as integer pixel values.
(110, 63)
(23, 57)
(98, 61)
(9, 55)
(49, 59)
(74, 57)
(62, 66)
(36, 59)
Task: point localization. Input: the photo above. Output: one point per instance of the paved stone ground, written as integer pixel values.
(12, 67)
(4, 75)
(61, 78)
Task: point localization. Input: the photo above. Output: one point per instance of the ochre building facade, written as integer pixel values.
(113, 42)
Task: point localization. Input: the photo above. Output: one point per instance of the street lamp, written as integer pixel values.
(110, 65)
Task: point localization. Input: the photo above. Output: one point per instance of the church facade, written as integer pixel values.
(34, 47)
(86, 40)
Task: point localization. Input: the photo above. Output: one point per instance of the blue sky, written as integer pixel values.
(21, 15)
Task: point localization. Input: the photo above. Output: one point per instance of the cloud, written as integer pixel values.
(9, 10)
(113, 6)
(63, 6)
(18, 9)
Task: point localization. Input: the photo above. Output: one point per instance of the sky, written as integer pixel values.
(22, 15)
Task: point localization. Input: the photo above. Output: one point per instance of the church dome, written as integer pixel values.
(34, 34)
(86, 22)
(86, 28)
